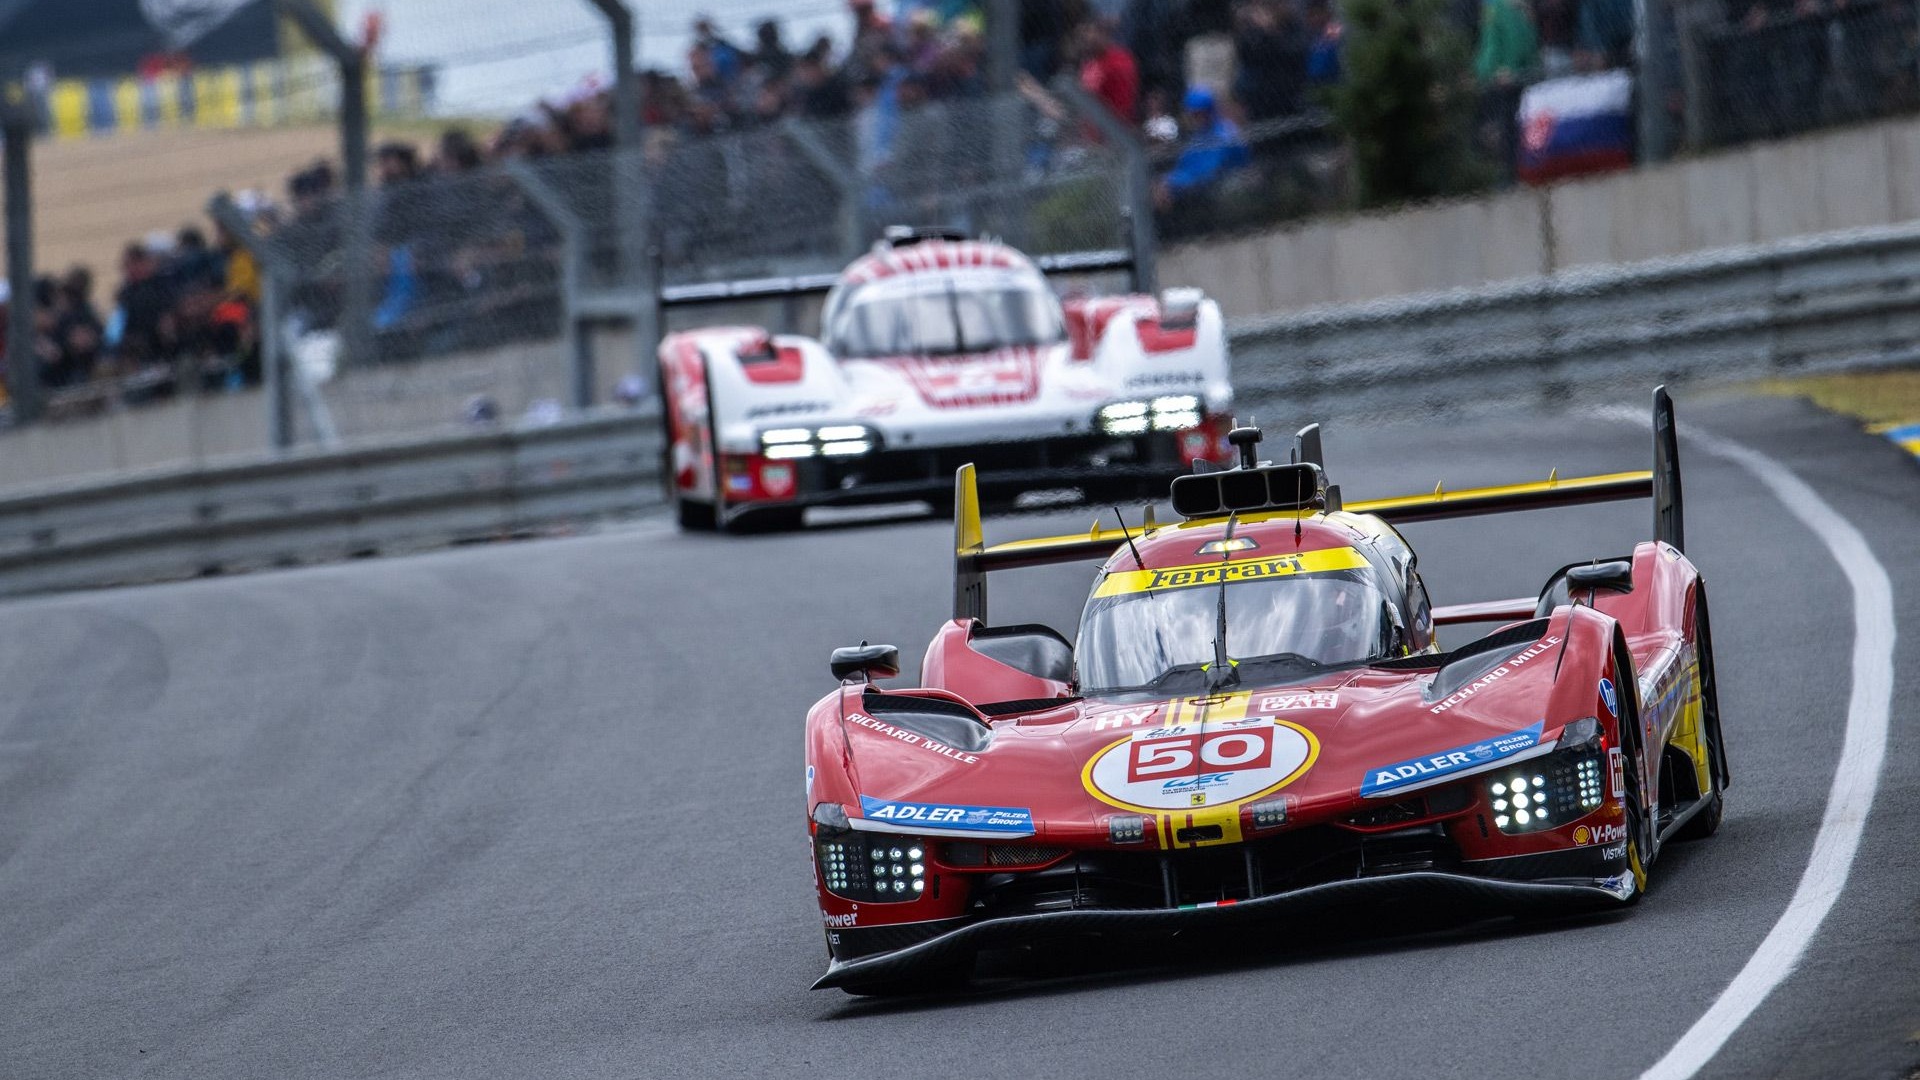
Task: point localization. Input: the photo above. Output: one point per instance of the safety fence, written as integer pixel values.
(1840, 300)
(520, 271)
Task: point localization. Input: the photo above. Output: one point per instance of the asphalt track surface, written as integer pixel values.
(535, 810)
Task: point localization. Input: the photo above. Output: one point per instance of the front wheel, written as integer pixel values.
(1707, 821)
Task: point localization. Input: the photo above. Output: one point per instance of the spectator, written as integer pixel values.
(1323, 54)
(1211, 150)
(1556, 21)
(727, 59)
(1041, 24)
(1505, 61)
(819, 91)
(1270, 59)
(458, 153)
(770, 54)
(1107, 70)
(1152, 31)
(1508, 48)
(1605, 34)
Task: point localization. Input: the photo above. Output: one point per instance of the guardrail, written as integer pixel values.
(310, 507)
(1839, 300)
(1843, 299)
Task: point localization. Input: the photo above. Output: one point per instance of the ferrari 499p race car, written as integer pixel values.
(938, 350)
(1258, 722)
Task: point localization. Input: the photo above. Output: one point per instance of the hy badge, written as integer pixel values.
(1420, 771)
(997, 820)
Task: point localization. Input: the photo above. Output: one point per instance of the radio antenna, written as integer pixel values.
(1129, 536)
(1223, 674)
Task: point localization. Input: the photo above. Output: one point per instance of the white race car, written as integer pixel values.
(938, 351)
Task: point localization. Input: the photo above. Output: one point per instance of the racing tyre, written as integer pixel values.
(1642, 834)
(694, 516)
(1707, 821)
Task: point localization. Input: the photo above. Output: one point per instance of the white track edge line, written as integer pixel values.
(1856, 776)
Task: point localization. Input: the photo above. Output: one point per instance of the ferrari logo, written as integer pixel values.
(1198, 798)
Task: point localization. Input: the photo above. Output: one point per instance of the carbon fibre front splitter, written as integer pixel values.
(1498, 896)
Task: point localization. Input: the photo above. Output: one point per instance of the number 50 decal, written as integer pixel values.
(1162, 769)
(1222, 751)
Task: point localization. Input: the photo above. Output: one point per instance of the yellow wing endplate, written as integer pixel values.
(1540, 494)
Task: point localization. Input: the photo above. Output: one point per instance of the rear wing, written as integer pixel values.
(974, 559)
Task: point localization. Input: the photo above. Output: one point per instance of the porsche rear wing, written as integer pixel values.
(974, 559)
(784, 285)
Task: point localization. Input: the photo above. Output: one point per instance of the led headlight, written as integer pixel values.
(831, 440)
(1176, 412)
(1123, 418)
(872, 869)
(1126, 829)
(1551, 791)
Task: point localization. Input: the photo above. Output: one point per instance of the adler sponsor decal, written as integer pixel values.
(1531, 652)
(1010, 820)
(1388, 778)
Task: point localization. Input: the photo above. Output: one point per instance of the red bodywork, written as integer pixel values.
(1380, 770)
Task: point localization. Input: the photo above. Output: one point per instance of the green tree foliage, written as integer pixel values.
(1406, 104)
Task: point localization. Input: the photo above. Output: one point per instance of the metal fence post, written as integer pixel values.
(632, 199)
(846, 183)
(1653, 54)
(573, 252)
(1139, 209)
(357, 304)
(23, 367)
(283, 380)
(1007, 136)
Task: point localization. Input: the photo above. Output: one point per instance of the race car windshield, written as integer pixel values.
(1278, 629)
(944, 318)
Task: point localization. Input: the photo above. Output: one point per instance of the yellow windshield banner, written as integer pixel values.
(1123, 582)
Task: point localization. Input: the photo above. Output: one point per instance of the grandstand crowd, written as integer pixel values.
(1200, 79)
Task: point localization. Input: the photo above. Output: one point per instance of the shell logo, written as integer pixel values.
(1581, 836)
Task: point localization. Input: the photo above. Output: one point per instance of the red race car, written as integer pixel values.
(1257, 721)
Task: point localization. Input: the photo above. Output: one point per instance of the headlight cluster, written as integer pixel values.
(1173, 413)
(832, 440)
(873, 868)
(1547, 793)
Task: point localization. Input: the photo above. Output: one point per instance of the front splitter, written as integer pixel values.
(1502, 896)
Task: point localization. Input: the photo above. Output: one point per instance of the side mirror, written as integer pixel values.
(1396, 631)
(871, 661)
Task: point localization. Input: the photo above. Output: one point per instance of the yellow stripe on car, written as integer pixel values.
(1123, 582)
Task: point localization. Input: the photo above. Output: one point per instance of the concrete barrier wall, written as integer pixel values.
(1862, 176)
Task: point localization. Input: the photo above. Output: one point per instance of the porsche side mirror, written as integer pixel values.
(871, 661)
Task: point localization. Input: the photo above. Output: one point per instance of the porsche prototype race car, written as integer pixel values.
(1257, 721)
(938, 350)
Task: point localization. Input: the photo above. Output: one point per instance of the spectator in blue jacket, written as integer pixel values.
(1212, 149)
